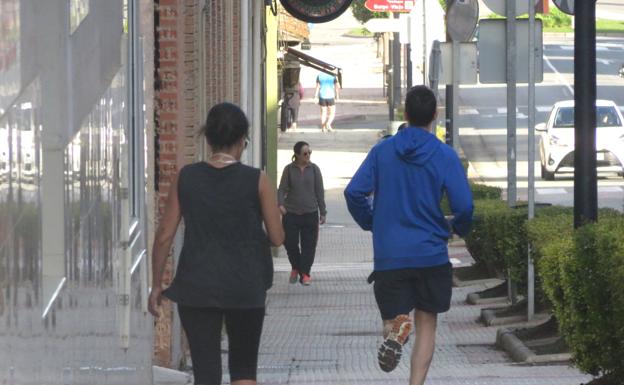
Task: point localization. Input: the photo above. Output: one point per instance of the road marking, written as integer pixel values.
(455, 261)
(612, 189)
(551, 191)
(468, 111)
(604, 61)
(471, 131)
(562, 78)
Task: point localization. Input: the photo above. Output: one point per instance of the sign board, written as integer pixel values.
(316, 11)
(492, 47)
(404, 32)
(383, 25)
(389, 5)
(499, 6)
(565, 6)
(467, 63)
(461, 19)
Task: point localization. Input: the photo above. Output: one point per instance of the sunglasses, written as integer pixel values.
(307, 153)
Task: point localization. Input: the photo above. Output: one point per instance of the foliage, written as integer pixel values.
(553, 20)
(362, 14)
(360, 32)
(583, 274)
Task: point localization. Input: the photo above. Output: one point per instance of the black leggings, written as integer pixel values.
(203, 330)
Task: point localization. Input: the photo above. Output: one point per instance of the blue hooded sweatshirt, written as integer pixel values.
(408, 175)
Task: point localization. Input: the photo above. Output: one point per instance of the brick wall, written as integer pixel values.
(177, 96)
(176, 121)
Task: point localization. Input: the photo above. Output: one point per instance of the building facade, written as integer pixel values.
(75, 107)
(207, 52)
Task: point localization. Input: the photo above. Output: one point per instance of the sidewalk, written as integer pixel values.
(328, 333)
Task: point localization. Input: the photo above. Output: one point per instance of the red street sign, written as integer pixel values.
(389, 5)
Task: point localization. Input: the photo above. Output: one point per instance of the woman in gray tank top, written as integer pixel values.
(225, 265)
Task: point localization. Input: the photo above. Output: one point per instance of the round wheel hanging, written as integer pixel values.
(316, 11)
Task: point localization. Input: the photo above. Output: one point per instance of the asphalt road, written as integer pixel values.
(610, 9)
(483, 121)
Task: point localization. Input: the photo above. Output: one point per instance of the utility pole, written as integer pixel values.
(449, 94)
(531, 184)
(396, 70)
(511, 103)
(585, 178)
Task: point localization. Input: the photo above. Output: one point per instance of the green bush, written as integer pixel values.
(481, 240)
(482, 191)
(583, 276)
(479, 192)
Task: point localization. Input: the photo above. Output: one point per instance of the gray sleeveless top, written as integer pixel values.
(226, 259)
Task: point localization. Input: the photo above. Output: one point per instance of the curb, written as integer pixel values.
(519, 352)
(490, 318)
(494, 294)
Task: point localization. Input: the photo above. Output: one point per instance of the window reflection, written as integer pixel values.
(78, 10)
(9, 53)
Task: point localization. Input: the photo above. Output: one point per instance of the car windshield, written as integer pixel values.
(606, 116)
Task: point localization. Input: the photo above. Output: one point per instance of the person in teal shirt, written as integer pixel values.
(327, 87)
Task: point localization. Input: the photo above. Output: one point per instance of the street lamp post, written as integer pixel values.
(585, 178)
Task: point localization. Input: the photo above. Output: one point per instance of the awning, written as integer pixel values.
(317, 64)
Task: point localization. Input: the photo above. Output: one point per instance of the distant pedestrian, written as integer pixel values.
(225, 265)
(408, 174)
(301, 198)
(327, 92)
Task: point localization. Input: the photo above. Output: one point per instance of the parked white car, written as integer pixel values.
(556, 144)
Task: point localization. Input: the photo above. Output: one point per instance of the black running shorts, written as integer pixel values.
(326, 102)
(401, 291)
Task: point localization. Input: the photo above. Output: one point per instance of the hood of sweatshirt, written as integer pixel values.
(415, 145)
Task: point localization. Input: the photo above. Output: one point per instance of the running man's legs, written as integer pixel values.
(424, 346)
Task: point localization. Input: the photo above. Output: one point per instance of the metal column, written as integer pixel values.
(585, 178)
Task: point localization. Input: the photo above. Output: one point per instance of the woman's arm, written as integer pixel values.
(283, 189)
(162, 244)
(270, 211)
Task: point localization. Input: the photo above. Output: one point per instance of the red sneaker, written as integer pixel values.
(305, 279)
(294, 275)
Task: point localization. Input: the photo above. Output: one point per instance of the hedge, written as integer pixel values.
(583, 275)
(579, 272)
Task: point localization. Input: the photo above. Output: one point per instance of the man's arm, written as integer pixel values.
(337, 88)
(459, 196)
(317, 89)
(359, 189)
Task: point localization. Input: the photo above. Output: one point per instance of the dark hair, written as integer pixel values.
(297, 148)
(225, 125)
(420, 106)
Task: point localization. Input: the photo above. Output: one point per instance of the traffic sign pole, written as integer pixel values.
(531, 186)
(585, 178)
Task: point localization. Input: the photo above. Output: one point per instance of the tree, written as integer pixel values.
(362, 14)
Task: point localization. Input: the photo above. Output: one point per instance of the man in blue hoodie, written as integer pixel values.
(408, 174)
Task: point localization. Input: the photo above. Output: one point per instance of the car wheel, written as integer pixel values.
(547, 175)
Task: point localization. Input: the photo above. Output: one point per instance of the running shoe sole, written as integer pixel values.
(391, 349)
